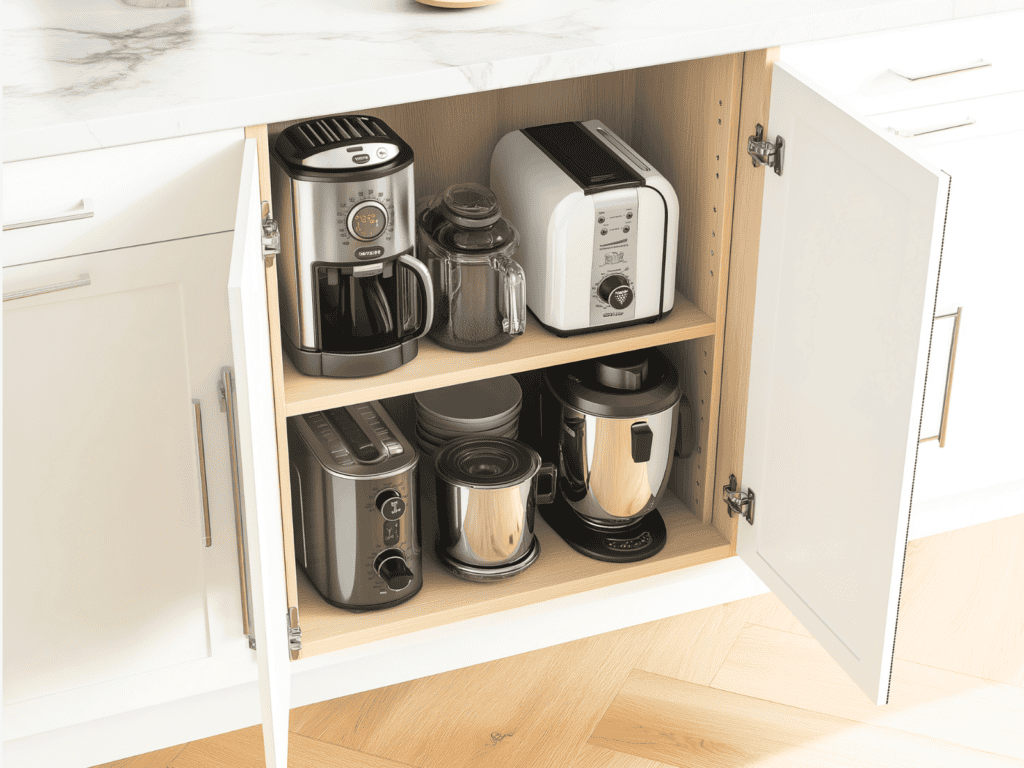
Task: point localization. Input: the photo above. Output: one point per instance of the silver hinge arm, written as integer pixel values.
(271, 237)
(764, 152)
(738, 502)
(294, 633)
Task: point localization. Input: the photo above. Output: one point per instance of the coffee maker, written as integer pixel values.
(354, 300)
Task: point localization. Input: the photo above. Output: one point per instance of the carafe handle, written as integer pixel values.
(512, 303)
(550, 471)
(426, 286)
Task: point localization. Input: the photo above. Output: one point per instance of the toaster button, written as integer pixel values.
(390, 504)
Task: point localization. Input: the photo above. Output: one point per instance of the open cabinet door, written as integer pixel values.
(851, 236)
(250, 401)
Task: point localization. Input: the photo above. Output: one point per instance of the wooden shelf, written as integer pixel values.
(435, 366)
(559, 571)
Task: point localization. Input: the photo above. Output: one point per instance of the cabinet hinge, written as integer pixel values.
(738, 502)
(764, 152)
(271, 237)
(294, 632)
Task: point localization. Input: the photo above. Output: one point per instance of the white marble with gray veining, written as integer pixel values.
(83, 74)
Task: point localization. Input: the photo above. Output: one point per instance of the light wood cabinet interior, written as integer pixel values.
(685, 119)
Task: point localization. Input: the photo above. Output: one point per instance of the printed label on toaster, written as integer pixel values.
(613, 270)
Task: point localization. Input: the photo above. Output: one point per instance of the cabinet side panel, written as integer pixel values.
(259, 132)
(739, 318)
(685, 123)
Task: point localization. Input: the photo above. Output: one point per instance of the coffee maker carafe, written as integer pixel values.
(354, 300)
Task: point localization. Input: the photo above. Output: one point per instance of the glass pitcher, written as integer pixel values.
(479, 290)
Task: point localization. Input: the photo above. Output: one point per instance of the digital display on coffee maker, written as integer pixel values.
(367, 221)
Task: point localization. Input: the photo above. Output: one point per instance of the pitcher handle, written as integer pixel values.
(512, 303)
(550, 471)
(426, 285)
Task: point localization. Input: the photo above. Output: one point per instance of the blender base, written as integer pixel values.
(644, 538)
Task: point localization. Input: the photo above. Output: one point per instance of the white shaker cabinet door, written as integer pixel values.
(255, 443)
(849, 255)
(114, 597)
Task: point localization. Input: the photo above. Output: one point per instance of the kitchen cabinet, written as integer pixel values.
(137, 514)
(806, 370)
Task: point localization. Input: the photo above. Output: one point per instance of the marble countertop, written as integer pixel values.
(85, 74)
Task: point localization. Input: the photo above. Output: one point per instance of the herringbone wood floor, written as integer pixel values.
(740, 684)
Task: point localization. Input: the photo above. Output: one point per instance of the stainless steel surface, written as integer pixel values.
(52, 288)
(201, 450)
(599, 478)
(294, 632)
(934, 127)
(428, 287)
(483, 574)
(487, 526)
(343, 157)
(271, 239)
(227, 388)
(941, 437)
(313, 222)
(395, 453)
(738, 502)
(620, 145)
(764, 152)
(921, 74)
(84, 210)
(341, 529)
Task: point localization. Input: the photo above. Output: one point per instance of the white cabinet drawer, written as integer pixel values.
(861, 68)
(119, 197)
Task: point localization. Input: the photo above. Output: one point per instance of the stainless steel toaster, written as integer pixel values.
(354, 505)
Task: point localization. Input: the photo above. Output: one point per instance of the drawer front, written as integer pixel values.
(863, 68)
(113, 198)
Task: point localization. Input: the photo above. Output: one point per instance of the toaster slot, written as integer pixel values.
(575, 150)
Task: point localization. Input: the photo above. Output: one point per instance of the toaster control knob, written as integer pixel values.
(615, 291)
(395, 572)
(390, 504)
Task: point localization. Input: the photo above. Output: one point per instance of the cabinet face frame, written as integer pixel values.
(700, 100)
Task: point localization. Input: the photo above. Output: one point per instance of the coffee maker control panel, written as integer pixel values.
(613, 269)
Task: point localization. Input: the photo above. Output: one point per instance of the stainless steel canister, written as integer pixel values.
(487, 496)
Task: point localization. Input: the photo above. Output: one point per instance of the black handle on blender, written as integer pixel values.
(641, 442)
(426, 287)
(549, 471)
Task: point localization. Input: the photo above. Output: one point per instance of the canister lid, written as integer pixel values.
(486, 462)
(624, 386)
(473, 406)
(465, 220)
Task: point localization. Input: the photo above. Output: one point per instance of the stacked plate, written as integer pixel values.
(488, 407)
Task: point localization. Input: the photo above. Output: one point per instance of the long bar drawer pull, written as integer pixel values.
(941, 437)
(84, 210)
(230, 404)
(80, 282)
(933, 128)
(197, 407)
(924, 74)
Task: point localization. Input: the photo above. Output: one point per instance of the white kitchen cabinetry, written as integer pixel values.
(122, 582)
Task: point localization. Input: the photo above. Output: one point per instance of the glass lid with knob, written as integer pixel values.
(465, 220)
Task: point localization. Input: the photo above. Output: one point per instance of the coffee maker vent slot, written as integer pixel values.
(341, 131)
(326, 129)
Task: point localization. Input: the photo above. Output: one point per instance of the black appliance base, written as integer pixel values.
(355, 365)
(644, 538)
(569, 333)
(375, 607)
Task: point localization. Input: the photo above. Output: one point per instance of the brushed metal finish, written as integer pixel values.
(423, 275)
(490, 527)
(197, 408)
(52, 288)
(84, 210)
(599, 478)
(227, 389)
(313, 220)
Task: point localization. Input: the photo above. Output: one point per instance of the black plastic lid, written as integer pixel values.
(310, 137)
(588, 161)
(486, 462)
(578, 385)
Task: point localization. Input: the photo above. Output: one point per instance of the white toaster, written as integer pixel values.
(598, 226)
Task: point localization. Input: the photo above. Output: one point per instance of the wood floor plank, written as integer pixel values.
(160, 758)
(692, 726)
(962, 606)
(789, 669)
(244, 749)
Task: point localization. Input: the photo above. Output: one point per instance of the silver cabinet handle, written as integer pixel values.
(82, 281)
(197, 407)
(954, 123)
(924, 74)
(83, 210)
(941, 437)
(230, 405)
